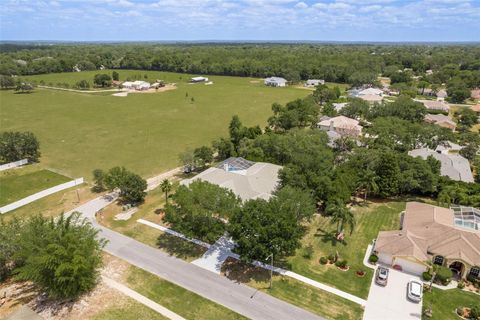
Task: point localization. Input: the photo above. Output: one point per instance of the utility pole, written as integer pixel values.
(271, 269)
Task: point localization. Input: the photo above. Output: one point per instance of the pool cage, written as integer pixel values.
(466, 217)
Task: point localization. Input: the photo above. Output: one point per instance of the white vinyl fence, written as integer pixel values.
(15, 164)
(39, 195)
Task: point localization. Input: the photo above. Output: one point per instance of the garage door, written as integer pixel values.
(410, 266)
(385, 258)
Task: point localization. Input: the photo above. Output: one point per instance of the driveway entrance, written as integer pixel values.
(390, 302)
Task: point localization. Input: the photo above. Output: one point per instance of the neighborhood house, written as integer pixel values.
(275, 82)
(341, 125)
(247, 179)
(441, 120)
(453, 166)
(435, 105)
(447, 237)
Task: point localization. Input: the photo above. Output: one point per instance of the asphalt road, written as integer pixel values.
(238, 297)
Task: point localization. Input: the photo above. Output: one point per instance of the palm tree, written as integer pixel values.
(166, 187)
(341, 215)
(368, 182)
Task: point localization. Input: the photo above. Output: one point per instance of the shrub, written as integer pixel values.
(461, 285)
(443, 274)
(323, 260)
(341, 264)
(471, 278)
(426, 276)
(308, 252)
(373, 258)
(331, 258)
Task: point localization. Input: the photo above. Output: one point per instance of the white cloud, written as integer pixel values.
(301, 5)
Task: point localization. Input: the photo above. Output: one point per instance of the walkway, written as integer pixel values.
(142, 299)
(213, 259)
(154, 182)
(235, 296)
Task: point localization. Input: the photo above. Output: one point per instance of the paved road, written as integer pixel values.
(237, 297)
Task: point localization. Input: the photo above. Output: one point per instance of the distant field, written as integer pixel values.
(19, 183)
(144, 132)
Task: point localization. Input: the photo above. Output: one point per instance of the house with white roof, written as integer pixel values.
(247, 179)
(314, 82)
(136, 85)
(453, 166)
(275, 82)
(198, 79)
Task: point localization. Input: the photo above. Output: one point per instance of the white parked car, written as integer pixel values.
(415, 290)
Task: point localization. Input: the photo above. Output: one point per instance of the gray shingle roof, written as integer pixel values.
(455, 167)
(247, 179)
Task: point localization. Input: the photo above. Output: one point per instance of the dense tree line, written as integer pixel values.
(354, 64)
(16, 146)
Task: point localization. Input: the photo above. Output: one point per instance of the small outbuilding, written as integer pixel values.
(314, 82)
(275, 82)
(198, 79)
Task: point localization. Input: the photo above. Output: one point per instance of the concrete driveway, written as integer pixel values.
(391, 302)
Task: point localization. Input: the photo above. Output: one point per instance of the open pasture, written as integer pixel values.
(79, 132)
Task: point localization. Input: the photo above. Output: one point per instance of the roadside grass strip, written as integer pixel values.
(278, 270)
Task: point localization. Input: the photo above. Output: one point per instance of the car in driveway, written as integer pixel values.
(381, 276)
(414, 290)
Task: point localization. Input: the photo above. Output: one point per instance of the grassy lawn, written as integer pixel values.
(131, 310)
(369, 220)
(150, 210)
(295, 292)
(444, 302)
(181, 301)
(144, 132)
(17, 184)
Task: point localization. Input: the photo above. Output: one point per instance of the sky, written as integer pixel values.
(264, 20)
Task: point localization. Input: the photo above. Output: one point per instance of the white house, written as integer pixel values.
(199, 79)
(314, 82)
(136, 85)
(275, 82)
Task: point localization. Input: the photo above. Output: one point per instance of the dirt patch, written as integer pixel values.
(255, 81)
(86, 307)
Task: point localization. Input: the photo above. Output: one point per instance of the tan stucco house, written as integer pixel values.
(448, 237)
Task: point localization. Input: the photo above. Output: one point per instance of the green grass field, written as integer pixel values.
(444, 302)
(369, 220)
(131, 310)
(19, 183)
(79, 132)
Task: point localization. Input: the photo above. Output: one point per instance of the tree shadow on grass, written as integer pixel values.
(328, 236)
(242, 272)
(178, 247)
